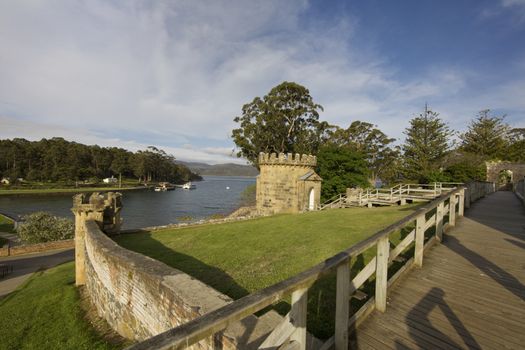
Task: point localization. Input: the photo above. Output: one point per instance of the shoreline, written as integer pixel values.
(61, 191)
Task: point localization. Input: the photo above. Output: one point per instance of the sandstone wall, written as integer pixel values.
(141, 297)
(494, 169)
(278, 187)
(36, 248)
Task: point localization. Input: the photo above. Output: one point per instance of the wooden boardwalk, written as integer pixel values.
(470, 293)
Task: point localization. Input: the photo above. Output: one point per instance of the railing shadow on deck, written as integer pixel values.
(499, 275)
(488, 217)
(420, 314)
(516, 243)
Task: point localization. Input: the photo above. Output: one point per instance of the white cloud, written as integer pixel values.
(180, 71)
(510, 3)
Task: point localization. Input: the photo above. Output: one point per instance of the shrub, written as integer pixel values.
(45, 227)
(248, 196)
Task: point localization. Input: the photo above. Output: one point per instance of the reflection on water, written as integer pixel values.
(214, 195)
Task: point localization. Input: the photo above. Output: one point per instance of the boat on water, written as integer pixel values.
(164, 186)
(189, 186)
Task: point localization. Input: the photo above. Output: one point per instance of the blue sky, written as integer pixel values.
(174, 74)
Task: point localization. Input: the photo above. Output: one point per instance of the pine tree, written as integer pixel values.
(427, 142)
(487, 136)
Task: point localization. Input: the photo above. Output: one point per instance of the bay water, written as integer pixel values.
(215, 195)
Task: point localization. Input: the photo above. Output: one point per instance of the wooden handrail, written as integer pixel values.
(216, 321)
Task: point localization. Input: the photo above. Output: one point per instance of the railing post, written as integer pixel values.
(383, 249)
(452, 211)
(468, 196)
(420, 240)
(439, 221)
(461, 209)
(342, 306)
(298, 316)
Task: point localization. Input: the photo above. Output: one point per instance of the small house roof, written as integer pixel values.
(310, 176)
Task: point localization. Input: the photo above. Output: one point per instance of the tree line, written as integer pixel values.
(59, 160)
(287, 120)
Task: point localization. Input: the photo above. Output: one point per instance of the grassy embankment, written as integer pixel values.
(65, 190)
(242, 257)
(6, 225)
(35, 187)
(45, 313)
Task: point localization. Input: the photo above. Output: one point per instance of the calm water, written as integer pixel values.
(148, 208)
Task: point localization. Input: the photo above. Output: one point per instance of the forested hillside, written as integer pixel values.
(57, 159)
(228, 169)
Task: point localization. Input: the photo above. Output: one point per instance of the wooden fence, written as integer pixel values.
(388, 196)
(519, 189)
(435, 216)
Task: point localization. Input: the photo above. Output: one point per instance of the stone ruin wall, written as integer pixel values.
(278, 188)
(139, 296)
(494, 169)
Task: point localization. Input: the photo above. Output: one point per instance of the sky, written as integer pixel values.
(174, 74)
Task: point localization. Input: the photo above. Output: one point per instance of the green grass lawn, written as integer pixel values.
(241, 257)
(45, 313)
(6, 225)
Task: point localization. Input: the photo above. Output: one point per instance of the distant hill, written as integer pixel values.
(228, 169)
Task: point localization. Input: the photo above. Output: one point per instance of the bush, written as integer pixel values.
(45, 227)
(248, 196)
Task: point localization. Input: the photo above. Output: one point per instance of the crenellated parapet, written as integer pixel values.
(103, 208)
(287, 159)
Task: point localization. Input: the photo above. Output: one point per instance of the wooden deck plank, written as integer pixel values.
(491, 332)
(470, 292)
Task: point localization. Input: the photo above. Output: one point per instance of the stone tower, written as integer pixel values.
(287, 184)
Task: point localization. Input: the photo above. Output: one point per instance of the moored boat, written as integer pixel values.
(189, 186)
(164, 186)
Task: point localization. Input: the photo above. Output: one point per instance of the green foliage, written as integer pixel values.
(427, 143)
(285, 120)
(248, 196)
(516, 149)
(44, 227)
(340, 169)
(45, 313)
(464, 167)
(487, 136)
(239, 258)
(58, 160)
(373, 143)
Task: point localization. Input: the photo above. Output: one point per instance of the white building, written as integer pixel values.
(110, 180)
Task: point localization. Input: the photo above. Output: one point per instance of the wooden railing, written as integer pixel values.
(519, 189)
(291, 333)
(477, 190)
(334, 202)
(388, 195)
